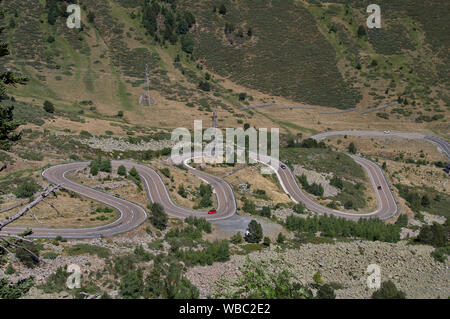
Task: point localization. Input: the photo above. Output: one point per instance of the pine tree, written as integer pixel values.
(7, 123)
(158, 217)
(254, 232)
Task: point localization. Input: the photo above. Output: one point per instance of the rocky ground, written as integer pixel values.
(318, 178)
(118, 144)
(411, 268)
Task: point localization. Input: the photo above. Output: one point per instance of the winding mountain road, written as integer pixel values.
(132, 215)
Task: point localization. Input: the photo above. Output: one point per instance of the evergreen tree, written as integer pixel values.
(222, 9)
(352, 148)
(254, 232)
(122, 171)
(158, 217)
(8, 125)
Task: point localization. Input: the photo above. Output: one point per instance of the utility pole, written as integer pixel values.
(215, 118)
(145, 98)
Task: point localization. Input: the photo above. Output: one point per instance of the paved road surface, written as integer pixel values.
(443, 145)
(132, 215)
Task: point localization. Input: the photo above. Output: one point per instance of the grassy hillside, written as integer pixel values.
(310, 51)
(284, 54)
(99, 70)
(298, 51)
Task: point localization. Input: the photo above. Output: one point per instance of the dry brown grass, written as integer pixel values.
(74, 212)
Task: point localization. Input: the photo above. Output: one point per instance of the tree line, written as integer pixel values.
(331, 226)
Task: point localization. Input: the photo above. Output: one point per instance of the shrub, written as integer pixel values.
(182, 191)
(326, 291)
(265, 212)
(222, 9)
(25, 257)
(83, 249)
(187, 44)
(440, 254)
(56, 282)
(26, 189)
(200, 223)
(49, 107)
(165, 171)
(352, 148)
(263, 280)
(435, 235)
(204, 86)
(237, 239)
(280, 238)
(331, 226)
(299, 208)
(10, 290)
(122, 171)
(158, 217)
(132, 285)
(388, 290)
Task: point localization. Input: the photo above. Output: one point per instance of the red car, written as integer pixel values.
(212, 211)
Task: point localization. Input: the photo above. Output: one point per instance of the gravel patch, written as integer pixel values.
(318, 178)
(119, 144)
(411, 268)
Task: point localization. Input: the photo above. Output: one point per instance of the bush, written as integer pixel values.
(158, 217)
(402, 220)
(204, 86)
(440, 254)
(187, 44)
(165, 171)
(435, 235)
(242, 96)
(249, 207)
(132, 285)
(83, 249)
(352, 148)
(56, 282)
(281, 238)
(200, 223)
(332, 226)
(10, 290)
(326, 291)
(237, 239)
(299, 208)
(182, 191)
(222, 9)
(25, 257)
(265, 212)
(27, 188)
(49, 107)
(122, 171)
(263, 280)
(337, 182)
(388, 290)
(134, 173)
